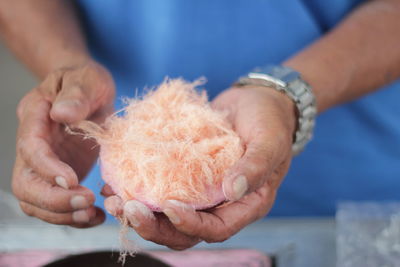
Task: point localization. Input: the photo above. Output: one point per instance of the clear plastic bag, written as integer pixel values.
(368, 234)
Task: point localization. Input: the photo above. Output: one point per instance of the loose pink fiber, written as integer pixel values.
(170, 145)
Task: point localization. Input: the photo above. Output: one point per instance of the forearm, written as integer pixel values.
(44, 34)
(357, 57)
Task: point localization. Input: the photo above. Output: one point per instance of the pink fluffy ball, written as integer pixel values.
(170, 145)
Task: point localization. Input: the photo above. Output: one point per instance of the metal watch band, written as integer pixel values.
(289, 81)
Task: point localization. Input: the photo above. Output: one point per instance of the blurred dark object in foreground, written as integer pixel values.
(106, 259)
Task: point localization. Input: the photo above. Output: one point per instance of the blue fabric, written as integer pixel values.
(356, 150)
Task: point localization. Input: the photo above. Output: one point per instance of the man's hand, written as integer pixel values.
(265, 120)
(50, 163)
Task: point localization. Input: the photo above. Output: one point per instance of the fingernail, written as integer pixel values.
(172, 216)
(133, 209)
(107, 190)
(68, 103)
(62, 182)
(80, 216)
(79, 202)
(113, 205)
(239, 187)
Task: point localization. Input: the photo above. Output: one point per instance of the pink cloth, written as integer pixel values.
(193, 258)
(221, 258)
(32, 258)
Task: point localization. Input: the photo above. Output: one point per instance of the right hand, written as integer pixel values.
(50, 163)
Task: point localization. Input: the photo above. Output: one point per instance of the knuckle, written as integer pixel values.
(53, 203)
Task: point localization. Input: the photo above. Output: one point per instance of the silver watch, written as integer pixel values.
(289, 81)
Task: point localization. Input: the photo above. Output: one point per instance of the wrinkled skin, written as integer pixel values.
(46, 151)
(263, 117)
(265, 120)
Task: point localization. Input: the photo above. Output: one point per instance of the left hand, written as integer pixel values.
(265, 120)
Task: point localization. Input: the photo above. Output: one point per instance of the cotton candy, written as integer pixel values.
(169, 145)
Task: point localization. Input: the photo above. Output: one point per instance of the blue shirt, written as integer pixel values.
(355, 154)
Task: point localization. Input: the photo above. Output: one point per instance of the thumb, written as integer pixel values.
(71, 105)
(251, 171)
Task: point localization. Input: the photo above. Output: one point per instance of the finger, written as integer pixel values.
(32, 189)
(38, 155)
(262, 155)
(66, 107)
(221, 223)
(107, 191)
(81, 218)
(34, 148)
(51, 85)
(114, 205)
(156, 228)
(71, 105)
(97, 220)
(82, 92)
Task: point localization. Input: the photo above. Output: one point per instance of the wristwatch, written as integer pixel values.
(288, 81)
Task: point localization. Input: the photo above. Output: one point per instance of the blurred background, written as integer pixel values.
(15, 81)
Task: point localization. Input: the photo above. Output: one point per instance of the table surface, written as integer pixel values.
(296, 242)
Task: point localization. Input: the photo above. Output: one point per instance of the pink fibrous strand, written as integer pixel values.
(169, 145)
